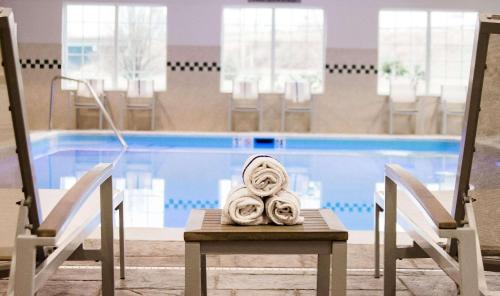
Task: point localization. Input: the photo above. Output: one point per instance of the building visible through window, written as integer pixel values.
(115, 43)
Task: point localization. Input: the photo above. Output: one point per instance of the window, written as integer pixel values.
(452, 38)
(429, 48)
(402, 46)
(273, 45)
(115, 43)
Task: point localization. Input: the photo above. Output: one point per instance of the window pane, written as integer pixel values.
(452, 37)
(142, 45)
(90, 48)
(299, 47)
(88, 43)
(247, 45)
(402, 48)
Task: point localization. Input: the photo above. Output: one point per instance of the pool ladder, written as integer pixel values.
(96, 98)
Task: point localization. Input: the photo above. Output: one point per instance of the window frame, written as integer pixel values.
(429, 59)
(71, 86)
(273, 8)
(428, 54)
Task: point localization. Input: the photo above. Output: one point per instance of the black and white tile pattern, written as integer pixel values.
(193, 66)
(351, 69)
(200, 66)
(40, 63)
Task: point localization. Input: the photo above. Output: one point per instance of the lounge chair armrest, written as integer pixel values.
(71, 202)
(434, 209)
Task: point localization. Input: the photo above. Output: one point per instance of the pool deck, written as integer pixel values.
(156, 268)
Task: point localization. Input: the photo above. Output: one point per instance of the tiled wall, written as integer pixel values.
(193, 101)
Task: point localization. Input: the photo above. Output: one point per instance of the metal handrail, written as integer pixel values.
(96, 98)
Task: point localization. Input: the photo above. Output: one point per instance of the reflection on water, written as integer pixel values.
(161, 187)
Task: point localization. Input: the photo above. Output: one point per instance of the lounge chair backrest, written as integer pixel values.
(297, 91)
(140, 89)
(454, 94)
(245, 89)
(16, 169)
(403, 92)
(478, 176)
(10, 173)
(97, 84)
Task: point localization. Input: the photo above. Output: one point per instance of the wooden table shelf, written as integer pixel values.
(322, 233)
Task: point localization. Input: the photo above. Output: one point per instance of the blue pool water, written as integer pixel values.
(165, 176)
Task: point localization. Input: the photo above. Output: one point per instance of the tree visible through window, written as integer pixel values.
(115, 43)
(429, 48)
(273, 45)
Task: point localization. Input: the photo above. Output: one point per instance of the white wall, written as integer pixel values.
(351, 23)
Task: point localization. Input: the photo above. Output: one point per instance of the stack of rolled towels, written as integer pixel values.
(264, 197)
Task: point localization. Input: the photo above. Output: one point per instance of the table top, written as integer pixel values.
(319, 225)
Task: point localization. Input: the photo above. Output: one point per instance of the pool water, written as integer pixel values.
(165, 176)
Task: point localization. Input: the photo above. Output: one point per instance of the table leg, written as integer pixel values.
(390, 247)
(377, 240)
(323, 275)
(339, 268)
(203, 274)
(122, 240)
(192, 269)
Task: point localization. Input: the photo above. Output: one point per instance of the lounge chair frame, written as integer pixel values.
(88, 105)
(258, 108)
(461, 259)
(446, 112)
(41, 246)
(148, 106)
(393, 111)
(286, 108)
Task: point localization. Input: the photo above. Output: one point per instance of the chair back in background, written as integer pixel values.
(403, 92)
(245, 89)
(97, 84)
(297, 91)
(454, 93)
(140, 89)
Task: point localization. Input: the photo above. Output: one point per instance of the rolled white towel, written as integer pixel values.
(243, 208)
(284, 208)
(264, 175)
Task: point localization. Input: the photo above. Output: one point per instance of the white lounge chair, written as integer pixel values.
(41, 229)
(464, 238)
(245, 98)
(297, 98)
(402, 101)
(141, 96)
(83, 99)
(453, 99)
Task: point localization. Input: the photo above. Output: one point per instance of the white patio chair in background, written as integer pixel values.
(245, 98)
(141, 96)
(297, 98)
(453, 99)
(402, 101)
(82, 98)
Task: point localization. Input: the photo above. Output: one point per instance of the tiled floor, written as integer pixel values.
(156, 268)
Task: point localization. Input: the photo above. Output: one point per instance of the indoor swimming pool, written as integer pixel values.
(164, 176)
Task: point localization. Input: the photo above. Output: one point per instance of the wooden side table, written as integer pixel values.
(322, 233)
